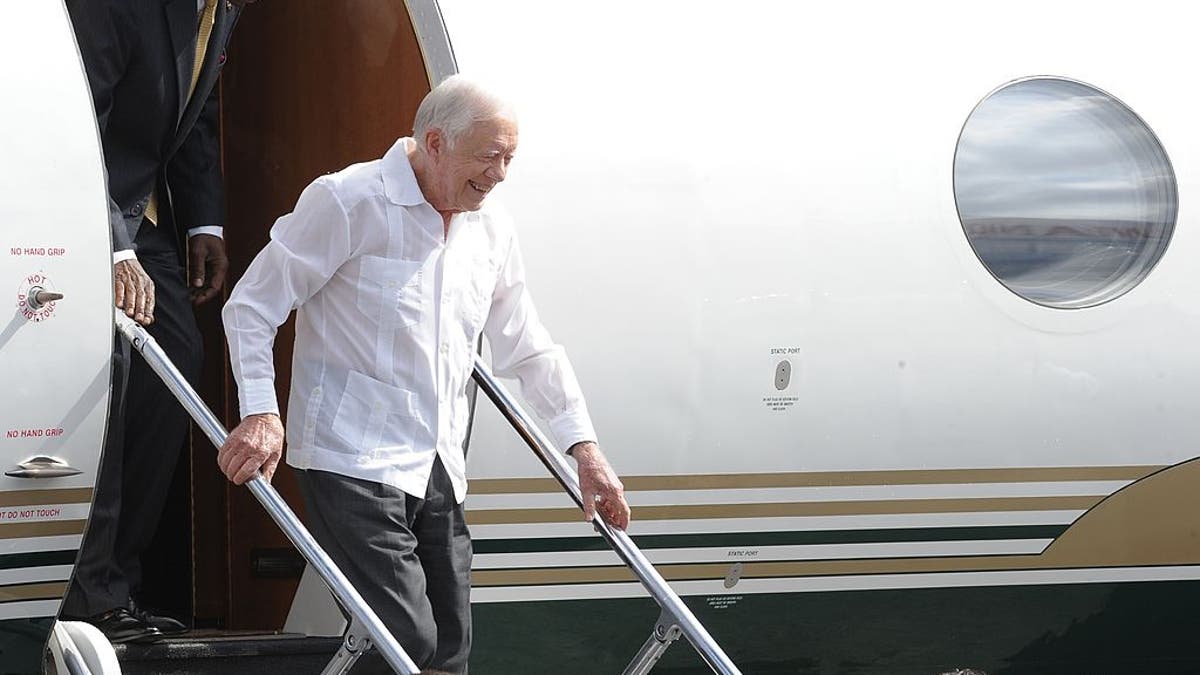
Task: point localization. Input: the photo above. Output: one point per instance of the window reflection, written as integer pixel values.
(1064, 193)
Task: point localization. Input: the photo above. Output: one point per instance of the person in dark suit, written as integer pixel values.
(152, 66)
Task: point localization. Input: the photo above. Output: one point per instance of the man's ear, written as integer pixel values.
(435, 143)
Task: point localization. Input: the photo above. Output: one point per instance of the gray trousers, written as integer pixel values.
(409, 558)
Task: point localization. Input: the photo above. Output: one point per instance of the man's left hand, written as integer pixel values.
(207, 267)
(256, 444)
(599, 486)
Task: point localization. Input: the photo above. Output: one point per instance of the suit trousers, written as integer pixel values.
(147, 430)
(409, 558)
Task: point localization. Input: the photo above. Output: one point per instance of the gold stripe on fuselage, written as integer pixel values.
(39, 591)
(45, 497)
(742, 481)
(41, 528)
(766, 570)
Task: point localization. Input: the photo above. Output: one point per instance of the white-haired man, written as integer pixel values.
(395, 267)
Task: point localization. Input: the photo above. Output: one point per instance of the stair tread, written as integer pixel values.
(221, 644)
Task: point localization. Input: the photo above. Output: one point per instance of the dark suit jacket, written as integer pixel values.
(138, 56)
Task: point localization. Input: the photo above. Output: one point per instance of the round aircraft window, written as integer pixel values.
(1064, 193)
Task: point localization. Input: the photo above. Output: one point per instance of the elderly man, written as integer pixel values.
(395, 267)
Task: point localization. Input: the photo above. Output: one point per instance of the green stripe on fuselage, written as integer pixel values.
(754, 539)
(37, 559)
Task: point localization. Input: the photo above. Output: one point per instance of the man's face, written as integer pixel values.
(466, 172)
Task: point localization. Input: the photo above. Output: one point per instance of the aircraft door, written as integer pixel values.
(56, 333)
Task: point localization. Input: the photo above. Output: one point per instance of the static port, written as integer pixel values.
(783, 375)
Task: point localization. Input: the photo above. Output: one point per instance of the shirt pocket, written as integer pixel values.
(389, 290)
(374, 417)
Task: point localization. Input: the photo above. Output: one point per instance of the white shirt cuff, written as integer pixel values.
(257, 396)
(571, 427)
(214, 230)
(127, 254)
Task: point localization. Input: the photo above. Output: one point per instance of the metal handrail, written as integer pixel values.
(278, 509)
(667, 599)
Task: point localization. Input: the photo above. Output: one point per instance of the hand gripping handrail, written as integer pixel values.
(278, 509)
(675, 614)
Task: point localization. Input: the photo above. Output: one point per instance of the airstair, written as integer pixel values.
(78, 654)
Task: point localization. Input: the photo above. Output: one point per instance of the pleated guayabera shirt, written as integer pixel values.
(388, 313)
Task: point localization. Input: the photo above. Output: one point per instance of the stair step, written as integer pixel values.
(211, 652)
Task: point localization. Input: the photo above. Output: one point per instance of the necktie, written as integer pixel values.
(206, 25)
(207, 18)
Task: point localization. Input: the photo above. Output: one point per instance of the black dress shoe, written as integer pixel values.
(165, 624)
(119, 625)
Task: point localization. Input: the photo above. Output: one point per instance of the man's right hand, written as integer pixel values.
(256, 443)
(134, 291)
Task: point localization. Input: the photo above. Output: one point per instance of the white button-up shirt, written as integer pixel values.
(388, 314)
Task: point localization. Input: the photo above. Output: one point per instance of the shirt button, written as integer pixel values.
(445, 348)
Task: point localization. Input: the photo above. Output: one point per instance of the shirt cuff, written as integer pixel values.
(571, 427)
(214, 230)
(257, 397)
(120, 256)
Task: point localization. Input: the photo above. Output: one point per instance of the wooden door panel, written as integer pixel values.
(309, 88)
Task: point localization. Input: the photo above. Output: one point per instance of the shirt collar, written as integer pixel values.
(399, 181)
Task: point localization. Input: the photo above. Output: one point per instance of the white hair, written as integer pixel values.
(454, 105)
